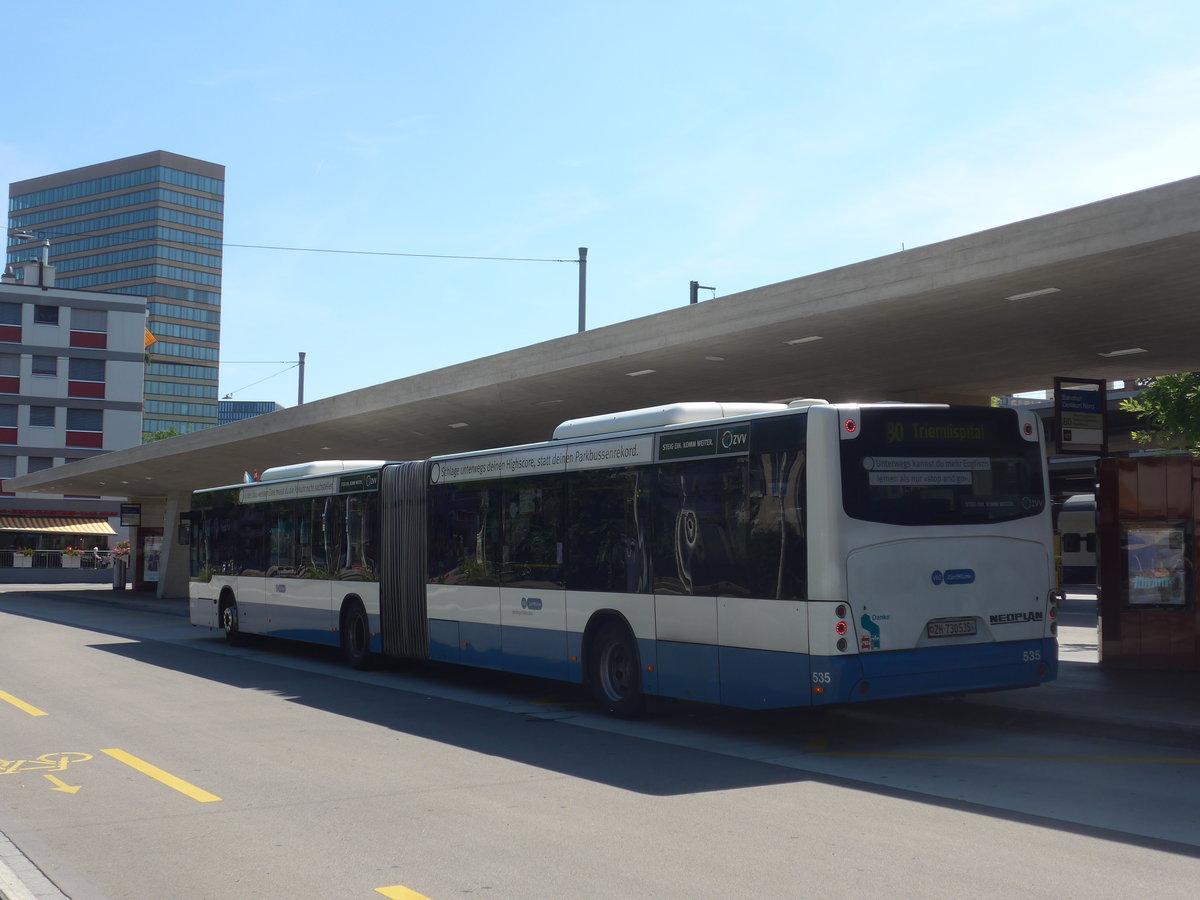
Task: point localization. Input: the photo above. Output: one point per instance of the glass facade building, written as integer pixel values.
(236, 410)
(149, 225)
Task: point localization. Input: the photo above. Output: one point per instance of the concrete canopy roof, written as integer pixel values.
(930, 323)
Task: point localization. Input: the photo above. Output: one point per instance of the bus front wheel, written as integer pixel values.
(356, 636)
(229, 623)
(613, 671)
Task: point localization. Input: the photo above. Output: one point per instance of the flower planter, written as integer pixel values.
(21, 561)
(71, 562)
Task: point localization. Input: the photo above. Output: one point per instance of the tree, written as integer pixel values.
(151, 437)
(1169, 406)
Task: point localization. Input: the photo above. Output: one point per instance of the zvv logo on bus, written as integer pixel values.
(734, 439)
(953, 576)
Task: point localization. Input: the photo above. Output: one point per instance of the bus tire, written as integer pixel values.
(356, 636)
(229, 623)
(614, 672)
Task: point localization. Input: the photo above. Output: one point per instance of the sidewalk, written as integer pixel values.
(1086, 696)
(101, 594)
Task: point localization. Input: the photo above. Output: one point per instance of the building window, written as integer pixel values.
(41, 416)
(85, 428)
(85, 377)
(40, 463)
(8, 424)
(10, 313)
(8, 467)
(89, 320)
(85, 420)
(85, 369)
(186, 351)
(45, 315)
(10, 373)
(45, 365)
(167, 408)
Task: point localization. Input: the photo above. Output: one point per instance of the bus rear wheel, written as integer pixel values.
(356, 637)
(614, 671)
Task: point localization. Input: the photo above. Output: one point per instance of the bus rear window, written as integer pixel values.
(941, 467)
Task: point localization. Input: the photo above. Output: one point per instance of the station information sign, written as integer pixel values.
(1080, 407)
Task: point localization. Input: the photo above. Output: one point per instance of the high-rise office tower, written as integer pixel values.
(149, 225)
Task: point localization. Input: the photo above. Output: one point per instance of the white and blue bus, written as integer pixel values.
(752, 555)
(1075, 523)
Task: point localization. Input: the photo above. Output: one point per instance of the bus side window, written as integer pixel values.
(533, 532)
(465, 532)
(777, 547)
(700, 528)
(607, 531)
(360, 561)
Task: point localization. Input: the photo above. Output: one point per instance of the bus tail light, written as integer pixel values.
(841, 626)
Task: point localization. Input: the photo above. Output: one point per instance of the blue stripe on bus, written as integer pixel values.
(755, 679)
(764, 679)
(940, 670)
(480, 645)
(535, 651)
(292, 623)
(322, 636)
(648, 652)
(689, 671)
(311, 626)
(443, 641)
(527, 651)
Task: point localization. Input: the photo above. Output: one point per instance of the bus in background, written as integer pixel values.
(1076, 528)
(751, 555)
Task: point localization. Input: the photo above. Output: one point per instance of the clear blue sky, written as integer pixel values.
(735, 143)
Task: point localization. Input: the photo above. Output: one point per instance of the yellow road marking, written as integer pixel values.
(60, 785)
(55, 762)
(178, 784)
(400, 892)
(22, 705)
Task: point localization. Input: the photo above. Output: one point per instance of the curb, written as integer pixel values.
(20, 879)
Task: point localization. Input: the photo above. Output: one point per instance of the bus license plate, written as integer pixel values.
(953, 628)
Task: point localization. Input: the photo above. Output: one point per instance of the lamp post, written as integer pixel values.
(583, 288)
(44, 262)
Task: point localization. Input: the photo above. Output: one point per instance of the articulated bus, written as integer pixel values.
(751, 555)
(1076, 526)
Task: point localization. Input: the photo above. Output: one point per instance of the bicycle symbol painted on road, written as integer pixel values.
(47, 762)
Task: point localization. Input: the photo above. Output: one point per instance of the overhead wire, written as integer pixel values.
(261, 380)
(203, 241)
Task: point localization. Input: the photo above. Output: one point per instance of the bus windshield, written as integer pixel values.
(941, 467)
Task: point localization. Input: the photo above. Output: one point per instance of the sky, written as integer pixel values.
(737, 144)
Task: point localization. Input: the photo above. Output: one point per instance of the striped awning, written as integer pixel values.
(55, 524)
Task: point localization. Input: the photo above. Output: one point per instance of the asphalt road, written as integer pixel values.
(142, 758)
